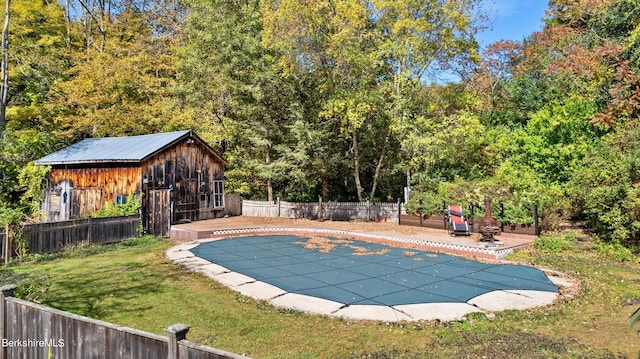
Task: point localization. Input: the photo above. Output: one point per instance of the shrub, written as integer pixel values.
(555, 243)
(615, 251)
(431, 203)
(29, 286)
(518, 213)
(605, 190)
(131, 207)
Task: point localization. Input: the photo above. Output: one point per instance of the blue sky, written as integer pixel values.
(512, 20)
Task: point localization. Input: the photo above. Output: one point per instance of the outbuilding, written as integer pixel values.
(176, 175)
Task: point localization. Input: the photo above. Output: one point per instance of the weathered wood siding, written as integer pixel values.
(45, 332)
(50, 237)
(87, 189)
(159, 203)
(190, 169)
(232, 205)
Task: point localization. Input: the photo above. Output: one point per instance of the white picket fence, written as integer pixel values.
(336, 211)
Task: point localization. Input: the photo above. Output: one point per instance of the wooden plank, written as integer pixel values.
(88, 338)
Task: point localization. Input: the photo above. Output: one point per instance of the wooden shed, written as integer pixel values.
(179, 177)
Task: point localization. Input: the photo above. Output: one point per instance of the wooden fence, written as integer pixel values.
(30, 330)
(336, 211)
(438, 221)
(49, 237)
(232, 205)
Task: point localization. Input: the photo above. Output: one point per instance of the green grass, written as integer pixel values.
(136, 286)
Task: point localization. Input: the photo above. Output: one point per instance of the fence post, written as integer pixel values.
(5, 291)
(176, 333)
(501, 217)
(420, 211)
(278, 204)
(7, 244)
(89, 230)
(535, 219)
(471, 216)
(399, 211)
(320, 214)
(444, 214)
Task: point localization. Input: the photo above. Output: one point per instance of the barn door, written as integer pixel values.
(186, 201)
(159, 212)
(85, 201)
(60, 202)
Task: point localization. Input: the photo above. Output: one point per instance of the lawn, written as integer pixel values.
(136, 286)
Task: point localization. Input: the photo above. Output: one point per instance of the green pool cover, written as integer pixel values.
(354, 272)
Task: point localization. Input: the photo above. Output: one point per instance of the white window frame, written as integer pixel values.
(217, 195)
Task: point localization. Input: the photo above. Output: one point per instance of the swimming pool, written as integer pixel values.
(354, 273)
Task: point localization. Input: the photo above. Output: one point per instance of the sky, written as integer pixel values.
(512, 20)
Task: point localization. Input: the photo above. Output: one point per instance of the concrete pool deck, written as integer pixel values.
(194, 234)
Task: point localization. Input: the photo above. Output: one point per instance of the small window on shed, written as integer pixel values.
(121, 199)
(218, 194)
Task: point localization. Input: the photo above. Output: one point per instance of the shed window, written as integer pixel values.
(218, 194)
(121, 199)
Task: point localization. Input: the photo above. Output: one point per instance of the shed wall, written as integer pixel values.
(190, 170)
(82, 191)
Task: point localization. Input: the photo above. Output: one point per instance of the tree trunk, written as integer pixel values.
(67, 21)
(269, 181)
(325, 187)
(356, 164)
(376, 175)
(408, 194)
(4, 90)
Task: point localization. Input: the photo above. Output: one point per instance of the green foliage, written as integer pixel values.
(555, 243)
(518, 214)
(605, 192)
(37, 61)
(428, 202)
(29, 286)
(333, 99)
(9, 216)
(555, 140)
(32, 178)
(80, 251)
(17, 149)
(516, 210)
(11, 223)
(615, 251)
(448, 146)
(121, 87)
(131, 207)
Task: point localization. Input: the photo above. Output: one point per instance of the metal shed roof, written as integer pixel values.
(113, 149)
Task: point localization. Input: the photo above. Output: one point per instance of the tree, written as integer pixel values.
(122, 88)
(604, 190)
(4, 68)
(230, 78)
(17, 149)
(584, 50)
(368, 58)
(35, 61)
(421, 40)
(491, 78)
